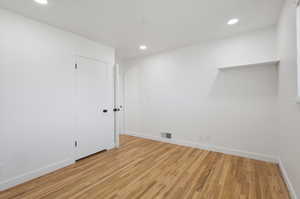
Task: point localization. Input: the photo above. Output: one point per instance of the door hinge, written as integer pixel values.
(75, 144)
(75, 66)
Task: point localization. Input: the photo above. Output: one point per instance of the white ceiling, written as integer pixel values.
(159, 24)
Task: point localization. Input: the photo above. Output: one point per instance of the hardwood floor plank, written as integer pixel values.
(147, 169)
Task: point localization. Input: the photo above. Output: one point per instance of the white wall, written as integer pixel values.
(183, 92)
(36, 96)
(289, 110)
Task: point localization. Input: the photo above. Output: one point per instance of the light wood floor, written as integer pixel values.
(147, 169)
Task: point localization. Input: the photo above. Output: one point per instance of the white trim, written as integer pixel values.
(298, 48)
(34, 174)
(224, 150)
(287, 180)
(117, 104)
(111, 146)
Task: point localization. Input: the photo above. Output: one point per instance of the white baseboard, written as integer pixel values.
(251, 155)
(34, 174)
(287, 181)
(224, 150)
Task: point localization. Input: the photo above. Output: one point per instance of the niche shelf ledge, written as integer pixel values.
(263, 63)
(298, 100)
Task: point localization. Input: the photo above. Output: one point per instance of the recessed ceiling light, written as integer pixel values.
(143, 47)
(43, 2)
(233, 21)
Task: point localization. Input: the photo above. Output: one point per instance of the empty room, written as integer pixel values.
(149, 99)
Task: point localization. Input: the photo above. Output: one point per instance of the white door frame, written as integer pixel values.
(117, 103)
(298, 48)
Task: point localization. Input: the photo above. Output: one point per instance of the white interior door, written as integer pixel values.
(95, 101)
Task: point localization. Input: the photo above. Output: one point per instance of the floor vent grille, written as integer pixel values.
(166, 135)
